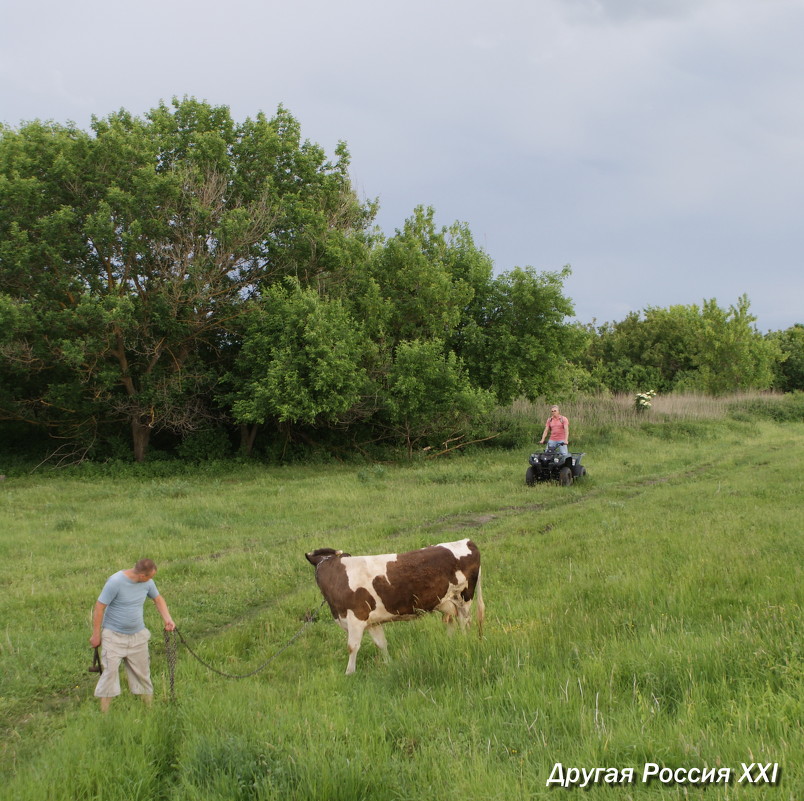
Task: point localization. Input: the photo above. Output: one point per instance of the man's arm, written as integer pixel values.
(162, 608)
(97, 622)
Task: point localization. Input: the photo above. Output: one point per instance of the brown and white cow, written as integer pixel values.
(364, 592)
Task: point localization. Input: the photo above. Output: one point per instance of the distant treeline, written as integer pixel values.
(185, 282)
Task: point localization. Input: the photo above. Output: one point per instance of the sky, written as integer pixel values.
(654, 146)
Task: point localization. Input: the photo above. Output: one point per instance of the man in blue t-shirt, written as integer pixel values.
(118, 624)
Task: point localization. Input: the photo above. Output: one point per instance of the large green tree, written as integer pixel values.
(515, 338)
(128, 254)
(705, 348)
(302, 361)
(429, 396)
(509, 330)
(409, 288)
(790, 367)
(182, 270)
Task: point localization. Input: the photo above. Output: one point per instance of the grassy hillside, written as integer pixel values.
(649, 614)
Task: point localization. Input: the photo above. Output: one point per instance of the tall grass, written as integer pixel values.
(651, 613)
(615, 410)
(601, 417)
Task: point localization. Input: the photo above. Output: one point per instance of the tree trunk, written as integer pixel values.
(248, 433)
(140, 436)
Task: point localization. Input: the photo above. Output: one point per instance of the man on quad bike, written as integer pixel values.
(555, 463)
(557, 428)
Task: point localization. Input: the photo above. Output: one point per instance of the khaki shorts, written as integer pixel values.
(132, 651)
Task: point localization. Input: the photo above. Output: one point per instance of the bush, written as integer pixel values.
(514, 428)
(785, 409)
(202, 446)
(682, 429)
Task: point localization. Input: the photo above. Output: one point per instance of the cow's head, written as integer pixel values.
(320, 554)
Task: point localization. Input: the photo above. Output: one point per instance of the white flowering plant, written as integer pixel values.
(644, 400)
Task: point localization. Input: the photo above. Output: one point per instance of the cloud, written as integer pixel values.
(607, 12)
(655, 146)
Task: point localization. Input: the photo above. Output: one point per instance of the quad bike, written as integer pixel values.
(552, 465)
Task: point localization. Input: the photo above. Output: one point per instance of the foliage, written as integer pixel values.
(128, 255)
(166, 279)
(515, 341)
(429, 395)
(205, 445)
(702, 348)
(423, 292)
(789, 409)
(301, 361)
(789, 374)
(737, 356)
(143, 285)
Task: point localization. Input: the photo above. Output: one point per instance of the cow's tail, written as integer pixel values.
(480, 607)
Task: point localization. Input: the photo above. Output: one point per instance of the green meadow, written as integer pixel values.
(649, 614)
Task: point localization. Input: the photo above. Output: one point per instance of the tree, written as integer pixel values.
(736, 356)
(144, 271)
(653, 349)
(429, 395)
(514, 339)
(789, 372)
(301, 361)
(129, 255)
(705, 348)
(412, 285)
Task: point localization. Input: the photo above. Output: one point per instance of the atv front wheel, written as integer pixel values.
(530, 476)
(565, 476)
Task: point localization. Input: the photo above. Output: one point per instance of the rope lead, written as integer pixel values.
(172, 648)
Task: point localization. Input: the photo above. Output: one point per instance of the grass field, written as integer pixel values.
(649, 614)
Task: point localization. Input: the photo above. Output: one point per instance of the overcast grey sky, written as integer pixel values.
(656, 146)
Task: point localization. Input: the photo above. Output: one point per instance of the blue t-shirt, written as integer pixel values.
(124, 600)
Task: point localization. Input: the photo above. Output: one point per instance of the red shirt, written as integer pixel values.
(558, 428)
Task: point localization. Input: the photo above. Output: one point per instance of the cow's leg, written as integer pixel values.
(462, 608)
(448, 619)
(378, 635)
(354, 635)
(450, 611)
